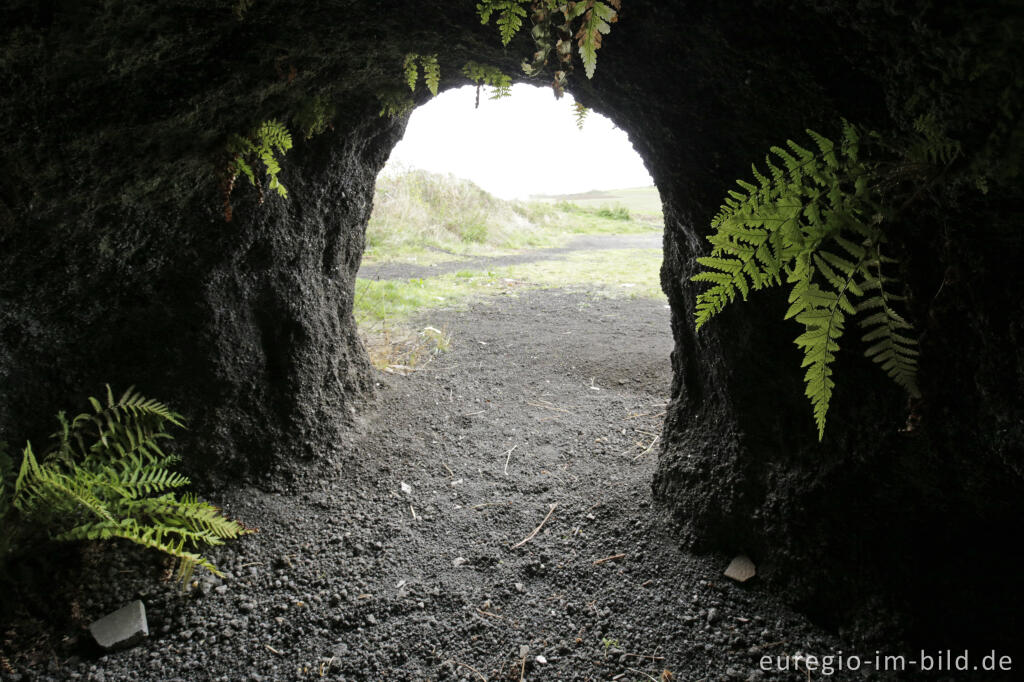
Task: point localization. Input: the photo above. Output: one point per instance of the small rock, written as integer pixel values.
(541, 660)
(406, 488)
(712, 616)
(520, 587)
(459, 561)
(121, 629)
(523, 650)
(741, 569)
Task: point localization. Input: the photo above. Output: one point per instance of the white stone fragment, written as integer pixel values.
(741, 569)
(121, 629)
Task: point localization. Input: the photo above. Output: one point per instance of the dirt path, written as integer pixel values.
(588, 242)
(419, 558)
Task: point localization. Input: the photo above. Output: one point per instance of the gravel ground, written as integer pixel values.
(416, 556)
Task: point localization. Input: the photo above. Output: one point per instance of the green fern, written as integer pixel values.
(814, 221)
(431, 71)
(107, 476)
(491, 76)
(588, 21)
(580, 112)
(596, 22)
(510, 16)
(269, 139)
(314, 115)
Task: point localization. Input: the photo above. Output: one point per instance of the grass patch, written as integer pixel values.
(383, 304)
(643, 203)
(635, 273)
(422, 217)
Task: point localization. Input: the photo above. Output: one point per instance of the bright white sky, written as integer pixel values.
(517, 146)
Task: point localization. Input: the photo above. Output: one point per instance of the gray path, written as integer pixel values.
(591, 242)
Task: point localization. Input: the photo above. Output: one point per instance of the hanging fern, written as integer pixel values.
(596, 22)
(108, 477)
(556, 26)
(263, 145)
(314, 115)
(431, 71)
(492, 76)
(815, 221)
(510, 16)
(580, 113)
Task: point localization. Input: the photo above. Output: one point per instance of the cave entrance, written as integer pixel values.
(490, 197)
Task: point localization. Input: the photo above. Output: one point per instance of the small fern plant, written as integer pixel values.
(262, 145)
(814, 222)
(107, 476)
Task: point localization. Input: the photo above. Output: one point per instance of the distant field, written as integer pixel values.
(642, 202)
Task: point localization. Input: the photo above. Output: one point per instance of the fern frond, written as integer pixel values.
(580, 112)
(161, 539)
(108, 477)
(510, 16)
(895, 352)
(596, 23)
(811, 217)
(411, 70)
(431, 72)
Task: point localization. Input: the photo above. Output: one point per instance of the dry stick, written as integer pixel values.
(466, 665)
(488, 613)
(490, 504)
(648, 448)
(537, 529)
(653, 658)
(508, 456)
(414, 518)
(609, 558)
(641, 672)
(649, 414)
(548, 407)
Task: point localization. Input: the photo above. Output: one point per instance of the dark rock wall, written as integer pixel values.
(116, 264)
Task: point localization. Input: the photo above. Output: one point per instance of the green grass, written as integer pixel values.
(642, 203)
(632, 273)
(423, 218)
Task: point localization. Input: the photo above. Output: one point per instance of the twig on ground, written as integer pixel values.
(451, 474)
(488, 613)
(466, 665)
(549, 407)
(273, 650)
(609, 558)
(325, 666)
(490, 504)
(647, 414)
(653, 658)
(508, 456)
(537, 529)
(641, 672)
(414, 517)
(648, 448)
